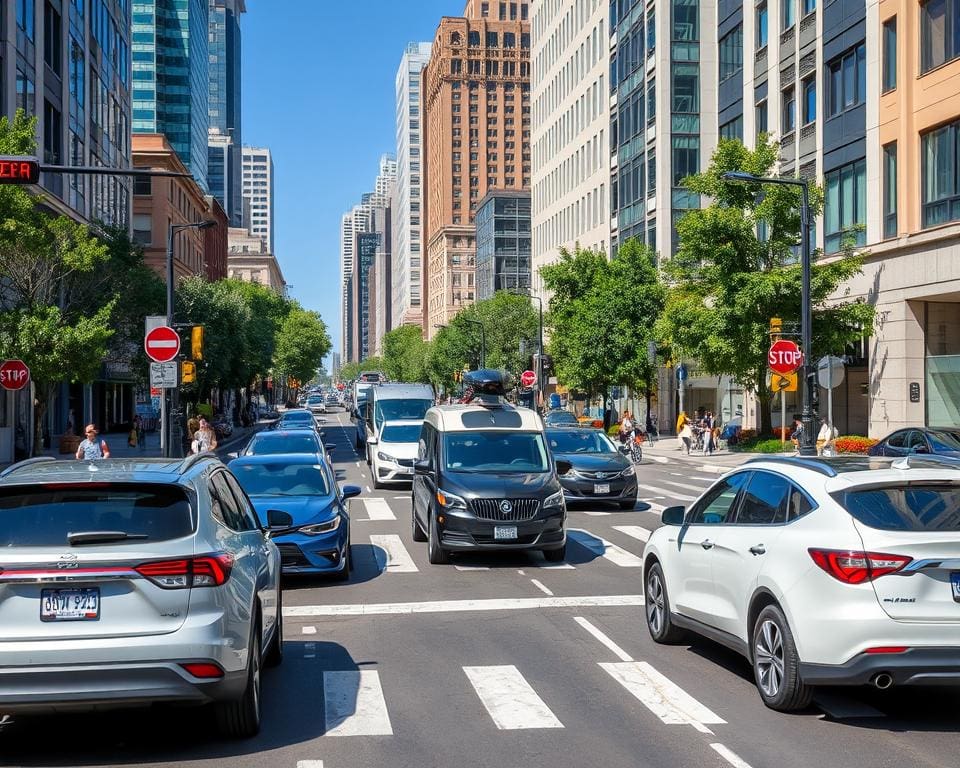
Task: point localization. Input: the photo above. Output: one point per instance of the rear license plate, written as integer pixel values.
(70, 604)
(955, 583)
(504, 531)
(601, 488)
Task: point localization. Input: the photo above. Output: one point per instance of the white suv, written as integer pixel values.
(820, 572)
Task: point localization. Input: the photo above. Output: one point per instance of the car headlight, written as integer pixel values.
(628, 472)
(385, 456)
(318, 528)
(553, 500)
(450, 500)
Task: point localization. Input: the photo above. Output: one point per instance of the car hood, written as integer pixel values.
(473, 485)
(399, 450)
(595, 462)
(303, 509)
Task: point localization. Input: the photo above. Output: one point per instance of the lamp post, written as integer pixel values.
(539, 370)
(808, 445)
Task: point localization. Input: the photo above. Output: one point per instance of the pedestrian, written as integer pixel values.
(708, 437)
(827, 434)
(797, 435)
(204, 439)
(686, 436)
(92, 447)
(626, 427)
(141, 432)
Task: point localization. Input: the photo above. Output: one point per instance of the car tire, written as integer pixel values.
(274, 655)
(628, 504)
(344, 573)
(435, 553)
(240, 718)
(555, 555)
(657, 608)
(776, 663)
(416, 531)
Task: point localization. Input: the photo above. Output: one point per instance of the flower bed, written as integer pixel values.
(853, 444)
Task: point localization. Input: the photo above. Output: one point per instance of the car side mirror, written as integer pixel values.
(232, 455)
(278, 520)
(563, 466)
(673, 515)
(328, 447)
(349, 491)
(422, 467)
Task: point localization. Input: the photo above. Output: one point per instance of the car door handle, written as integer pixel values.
(758, 549)
(706, 544)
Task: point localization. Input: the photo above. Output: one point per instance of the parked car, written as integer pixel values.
(941, 440)
(598, 469)
(819, 571)
(156, 583)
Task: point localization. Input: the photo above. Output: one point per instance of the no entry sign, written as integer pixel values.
(162, 344)
(14, 374)
(784, 356)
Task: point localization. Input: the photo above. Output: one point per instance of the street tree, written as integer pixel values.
(727, 283)
(302, 344)
(405, 354)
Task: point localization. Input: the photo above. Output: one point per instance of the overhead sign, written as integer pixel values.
(14, 375)
(163, 375)
(830, 371)
(19, 170)
(528, 379)
(784, 382)
(784, 356)
(162, 344)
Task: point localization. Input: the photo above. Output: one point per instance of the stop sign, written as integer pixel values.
(528, 379)
(162, 344)
(14, 374)
(784, 356)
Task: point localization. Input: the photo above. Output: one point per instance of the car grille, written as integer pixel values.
(405, 462)
(520, 509)
(603, 475)
(291, 554)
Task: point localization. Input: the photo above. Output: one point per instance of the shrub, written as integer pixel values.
(761, 445)
(613, 430)
(853, 444)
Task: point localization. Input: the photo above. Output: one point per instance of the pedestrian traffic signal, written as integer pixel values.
(188, 372)
(19, 170)
(196, 342)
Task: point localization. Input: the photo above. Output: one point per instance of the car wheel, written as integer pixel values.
(776, 664)
(435, 553)
(274, 655)
(344, 573)
(240, 718)
(415, 530)
(555, 555)
(657, 604)
(628, 503)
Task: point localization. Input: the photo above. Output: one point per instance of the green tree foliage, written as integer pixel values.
(302, 344)
(727, 284)
(405, 354)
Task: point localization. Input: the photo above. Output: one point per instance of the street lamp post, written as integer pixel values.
(808, 445)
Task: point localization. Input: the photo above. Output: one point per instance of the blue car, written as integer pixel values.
(300, 492)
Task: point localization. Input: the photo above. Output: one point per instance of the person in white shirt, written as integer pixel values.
(826, 434)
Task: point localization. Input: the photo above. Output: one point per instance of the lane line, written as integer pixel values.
(353, 704)
(309, 763)
(539, 585)
(509, 698)
(378, 509)
(464, 606)
(635, 531)
(597, 514)
(666, 493)
(368, 489)
(309, 630)
(731, 757)
(472, 567)
(391, 555)
(600, 546)
(612, 646)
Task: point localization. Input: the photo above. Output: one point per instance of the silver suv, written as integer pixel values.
(132, 582)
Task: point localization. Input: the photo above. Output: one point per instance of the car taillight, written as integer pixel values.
(853, 567)
(201, 571)
(204, 670)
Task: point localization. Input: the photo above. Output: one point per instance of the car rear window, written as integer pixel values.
(45, 515)
(266, 444)
(905, 507)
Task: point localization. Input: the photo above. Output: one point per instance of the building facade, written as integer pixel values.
(170, 73)
(406, 267)
(352, 223)
(224, 139)
(475, 98)
(503, 243)
(215, 241)
(248, 259)
(258, 191)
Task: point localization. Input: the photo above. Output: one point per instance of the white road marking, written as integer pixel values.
(309, 763)
(613, 553)
(612, 646)
(666, 493)
(378, 509)
(669, 702)
(554, 566)
(472, 567)
(465, 606)
(685, 486)
(660, 459)
(368, 489)
(635, 531)
(596, 514)
(391, 555)
(539, 585)
(357, 463)
(731, 757)
(509, 698)
(309, 630)
(354, 704)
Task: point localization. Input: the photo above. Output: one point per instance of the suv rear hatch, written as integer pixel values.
(918, 525)
(70, 554)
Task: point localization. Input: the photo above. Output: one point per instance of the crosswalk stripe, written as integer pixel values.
(309, 763)
(596, 514)
(510, 699)
(378, 509)
(391, 555)
(666, 493)
(636, 531)
(464, 606)
(612, 646)
(354, 705)
(730, 756)
(685, 486)
(472, 567)
(665, 699)
(613, 553)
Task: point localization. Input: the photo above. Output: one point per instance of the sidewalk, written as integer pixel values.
(666, 450)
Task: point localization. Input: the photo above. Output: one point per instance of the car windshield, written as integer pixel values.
(282, 479)
(943, 440)
(45, 515)
(586, 441)
(495, 451)
(903, 507)
(400, 433)
(297, 418)
(266, 443)
(388, 410)
(561, 417)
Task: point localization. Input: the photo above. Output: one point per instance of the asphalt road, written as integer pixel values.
(503, 661)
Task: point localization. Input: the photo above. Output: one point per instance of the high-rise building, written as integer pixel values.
(258, 190)
(475, 98)
(170, 73)
(224, 141)
(406, 266)
(503, 243)
(354, 222)
(569, 80)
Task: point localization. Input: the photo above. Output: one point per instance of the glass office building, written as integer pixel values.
(224, 162)
(503, 243)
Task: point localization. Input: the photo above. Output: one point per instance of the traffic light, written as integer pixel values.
(776, 327)
(19, 170)
(196, 342)
(188, 372)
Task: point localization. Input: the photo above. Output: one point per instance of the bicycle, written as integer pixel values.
(636, 449)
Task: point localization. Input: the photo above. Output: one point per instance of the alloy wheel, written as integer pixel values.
(768, 656)
(655, 602)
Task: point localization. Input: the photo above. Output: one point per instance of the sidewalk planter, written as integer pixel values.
(853, 444)
(69, 444)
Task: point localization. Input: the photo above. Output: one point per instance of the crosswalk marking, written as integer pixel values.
(464, 606)
(596, 514)
(354, 704)
(613, 553)
(378, 509)
(668, 494)
(472, 567)
(612, 646)
(635, 531)
(509, 698)
(731, 757)
(391, 555)
(666, 700)
(309, 630)
(685, 486)
(309, 763)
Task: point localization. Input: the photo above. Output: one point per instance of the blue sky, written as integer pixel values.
(318, 89)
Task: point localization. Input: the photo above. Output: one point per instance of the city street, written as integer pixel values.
(503, 661)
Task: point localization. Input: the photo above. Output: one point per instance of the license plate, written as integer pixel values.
(70, 604)
(600, 488)
(504, 531)
(955, 583)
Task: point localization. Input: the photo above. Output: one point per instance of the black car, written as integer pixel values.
(944, 441)
(599, 471)
(560, 418)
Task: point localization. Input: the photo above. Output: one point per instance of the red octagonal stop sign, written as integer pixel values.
(784, 356)
(162, 344)
(14, 374)
(528, 378)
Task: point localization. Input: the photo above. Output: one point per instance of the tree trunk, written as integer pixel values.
(43, 394)
(764, 401)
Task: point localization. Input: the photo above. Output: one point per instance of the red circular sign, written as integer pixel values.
(162, 344)
(14, 374)
(528, 379)
(784, 356)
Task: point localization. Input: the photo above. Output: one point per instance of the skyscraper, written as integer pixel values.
(224, 153)
(170, 73)
(258, 190)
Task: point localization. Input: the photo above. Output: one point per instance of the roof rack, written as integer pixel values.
(195, 458)
(26, 463)
(807, 462)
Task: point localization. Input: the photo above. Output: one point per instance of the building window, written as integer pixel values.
(845, 206)
(809, 6)
(686, 26)
(651, 102)
(686, 157)
(732, 129)
(52, 53)
(473, 39)
(52, 134)
(761, 117)
(651, 31)
(142, 185)
(25, 17)
(761, 25)
(787, 13)
(809, 100)
(941, 175)
(847, 80)
(890, 190)
(493, 40)
(686, 88)
(939, 33)
(890, 54)
(788, 112)
(731, 53)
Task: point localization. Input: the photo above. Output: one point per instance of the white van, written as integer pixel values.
(394, 402)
